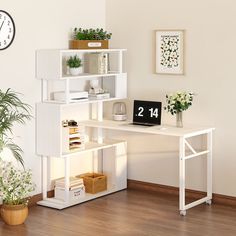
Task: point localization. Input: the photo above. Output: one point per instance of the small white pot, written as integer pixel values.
(75, 71)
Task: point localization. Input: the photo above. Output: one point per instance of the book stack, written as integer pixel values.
(76, 188)
(75, 182)
(73, 138)
(98, 63)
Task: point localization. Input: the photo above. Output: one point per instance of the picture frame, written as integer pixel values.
(170, 52)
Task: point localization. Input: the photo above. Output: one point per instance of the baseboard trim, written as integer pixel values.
(159, 188)
(38, 197)
(191, 194)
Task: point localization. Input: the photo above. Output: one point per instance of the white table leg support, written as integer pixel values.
(182, 176)
(182, 159)
(45, 176)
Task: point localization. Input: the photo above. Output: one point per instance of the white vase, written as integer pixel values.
(75, 71)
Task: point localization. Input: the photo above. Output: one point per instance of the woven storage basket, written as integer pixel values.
(94, 182)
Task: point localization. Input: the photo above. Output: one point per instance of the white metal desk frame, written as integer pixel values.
(183, 145)
(182, 158)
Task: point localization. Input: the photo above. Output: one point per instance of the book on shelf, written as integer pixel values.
(73, 187)
(99, 95)
(98, 63)
(72, 181)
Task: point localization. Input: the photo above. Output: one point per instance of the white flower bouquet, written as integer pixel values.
(15, 184)
(178, 102)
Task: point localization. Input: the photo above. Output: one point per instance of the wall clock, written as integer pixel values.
(7, 30)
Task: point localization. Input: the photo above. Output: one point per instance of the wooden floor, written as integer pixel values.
(127, 213)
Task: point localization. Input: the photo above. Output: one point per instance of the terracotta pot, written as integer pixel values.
(14, 214)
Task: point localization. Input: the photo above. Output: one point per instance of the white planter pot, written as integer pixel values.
(75, 71)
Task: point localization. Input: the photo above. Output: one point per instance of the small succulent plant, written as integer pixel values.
(74, 62)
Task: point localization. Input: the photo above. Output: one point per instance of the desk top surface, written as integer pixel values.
(167, 130)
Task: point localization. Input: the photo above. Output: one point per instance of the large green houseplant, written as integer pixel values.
(12, 111)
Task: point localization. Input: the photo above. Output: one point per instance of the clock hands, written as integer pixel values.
(1, 25)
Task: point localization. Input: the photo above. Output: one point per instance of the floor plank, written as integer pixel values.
(127, 213)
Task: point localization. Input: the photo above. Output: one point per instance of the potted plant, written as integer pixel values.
(12, 110)
(177, 103)
(15, 188)
(74, 64)
(89, 39)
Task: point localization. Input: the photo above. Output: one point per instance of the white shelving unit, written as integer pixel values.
(108, 156)
(51, 67)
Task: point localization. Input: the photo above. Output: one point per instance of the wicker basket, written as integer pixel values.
(94, 182)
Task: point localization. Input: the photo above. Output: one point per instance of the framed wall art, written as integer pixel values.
(170, 52)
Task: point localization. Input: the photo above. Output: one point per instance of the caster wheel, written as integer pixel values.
(183, 213)
(208, 202)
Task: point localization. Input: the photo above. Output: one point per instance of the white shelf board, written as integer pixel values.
(92, 146)
(93, 50)
(167, 130)
(87, 76)
(60, 204)
(94, 100)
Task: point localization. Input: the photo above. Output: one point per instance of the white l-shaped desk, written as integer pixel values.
(183, 134)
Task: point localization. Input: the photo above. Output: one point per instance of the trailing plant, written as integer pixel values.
(178, 102)
(15, 184)
(12, 110)
(91, 34)
(74, 62)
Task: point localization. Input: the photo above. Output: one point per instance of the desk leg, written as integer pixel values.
(209, 167)
(67, 179)
(45, 177)
(182, 176)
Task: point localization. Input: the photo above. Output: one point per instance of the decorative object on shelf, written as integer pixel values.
(16, 186)
(89, 39)
(170, 52)
(96, 91)
(12, 111)
(177, 103)
(119, 111)
(7, 30)
(98, 63)
(75, 64)
(73, 137)
(72, 123)
(94, 182)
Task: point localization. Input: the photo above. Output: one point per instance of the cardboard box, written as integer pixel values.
(94, 182)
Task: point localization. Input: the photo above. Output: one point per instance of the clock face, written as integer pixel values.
(7, 30)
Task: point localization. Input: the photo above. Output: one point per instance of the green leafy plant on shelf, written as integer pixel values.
(74, 62)
(12, 111)
(91, 34)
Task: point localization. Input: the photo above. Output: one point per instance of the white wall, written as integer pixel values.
(210, 72)
(40, 24)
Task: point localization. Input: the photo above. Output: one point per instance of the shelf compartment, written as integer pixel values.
(90, 100)
(59, 204)
(89, 76)
(92, 146)
(51, 64)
